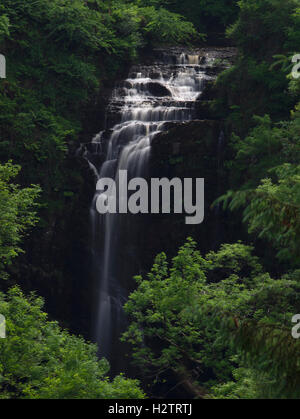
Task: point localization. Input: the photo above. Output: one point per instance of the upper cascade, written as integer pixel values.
(152, 96)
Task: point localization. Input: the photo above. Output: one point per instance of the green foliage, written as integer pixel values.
(38, 360)
(263, 170)
(165, 26)
(274, 211)
(262, 26)
(255, 85)
(17, 213)
(206, 15)
(4, 26)
(266, 170)
(246, 384)
(251, 88)
(183, 317)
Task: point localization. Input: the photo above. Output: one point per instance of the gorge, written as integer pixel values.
(142, 304)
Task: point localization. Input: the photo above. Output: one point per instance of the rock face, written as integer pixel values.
(188, 150)
(157, 89)
(204, 105)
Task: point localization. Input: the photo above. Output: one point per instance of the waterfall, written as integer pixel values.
(146, 103)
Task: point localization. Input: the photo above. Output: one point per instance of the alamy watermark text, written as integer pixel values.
(138, 196)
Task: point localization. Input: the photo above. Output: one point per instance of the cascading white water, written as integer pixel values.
(149, 100)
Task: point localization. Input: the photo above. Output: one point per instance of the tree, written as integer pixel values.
(264, 29)
(38, 360)
(17, 213)
(185, 318)
(162, 25)
(266, 170)
(4, 26)
(206, 15)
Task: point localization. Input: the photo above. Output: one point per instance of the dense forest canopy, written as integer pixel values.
(206, 15)
(233, 338)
